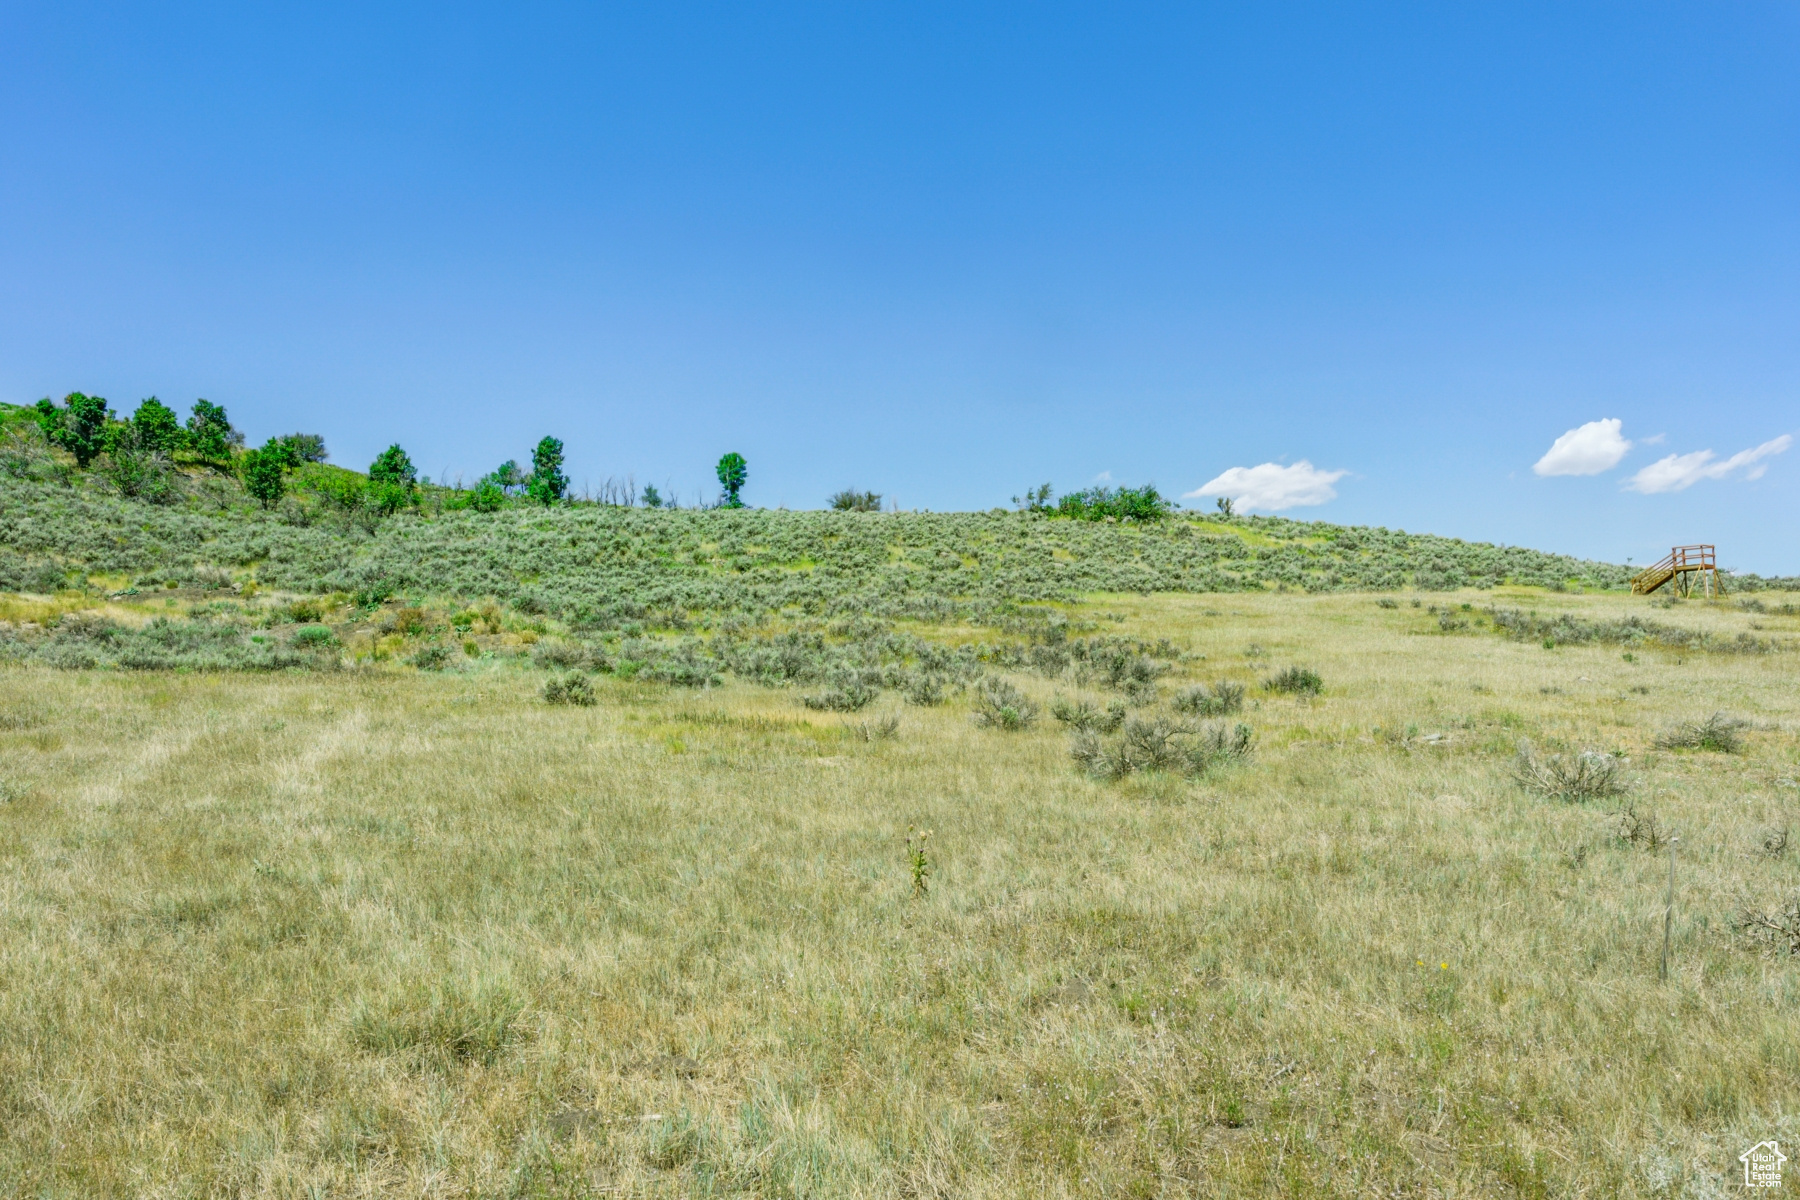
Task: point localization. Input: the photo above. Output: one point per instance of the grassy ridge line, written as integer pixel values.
(568, 558)
(588, 561)
(591, 557)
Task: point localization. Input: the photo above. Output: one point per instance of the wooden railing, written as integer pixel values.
(1677, 562)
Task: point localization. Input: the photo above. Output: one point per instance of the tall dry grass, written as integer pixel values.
(416, 934)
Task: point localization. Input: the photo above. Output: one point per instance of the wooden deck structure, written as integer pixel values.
(1679, 569)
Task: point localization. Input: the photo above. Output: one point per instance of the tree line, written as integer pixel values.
(141, 449)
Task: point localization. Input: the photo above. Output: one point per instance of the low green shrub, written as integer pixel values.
(573, 688)
(1000, 705)
(849, 695)
(1589, 775)
(1223, 697)
(1295, 681)
(1719, 732)
(432, 657)
(1158, 743)
(1081, 714)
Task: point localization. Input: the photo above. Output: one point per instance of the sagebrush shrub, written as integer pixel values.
(1158, 743)
(434, 657)
(573, 688)
(1223, 697)
(143, 475)
(850, 695)
(1217, 745)
(924, 689)
(1588, 775)
(1719, 732)
(1000, 705)
(1295, 681)
(1086, 715)
(1642, 829)
(551, 654)
(1776, 929)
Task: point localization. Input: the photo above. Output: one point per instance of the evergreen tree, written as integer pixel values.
(733, 471)
(547, 483)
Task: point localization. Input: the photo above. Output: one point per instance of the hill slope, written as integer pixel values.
(591, 562)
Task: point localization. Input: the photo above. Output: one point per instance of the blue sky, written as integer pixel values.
(947, 252)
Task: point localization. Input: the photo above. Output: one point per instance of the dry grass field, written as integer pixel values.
(394, 933)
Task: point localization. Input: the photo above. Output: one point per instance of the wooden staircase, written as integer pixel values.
(1681, 562)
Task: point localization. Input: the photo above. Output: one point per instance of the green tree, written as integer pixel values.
(507, 477)
(49, 419)
(262, 470)
(487, 497)
(393, 466)
(652, 497)
(210, 433)
(283, 452)
(305, 447)
(156, 428)
(391, 479)
(851, 500)
(82, 430)
(733, 471)
(547, 483)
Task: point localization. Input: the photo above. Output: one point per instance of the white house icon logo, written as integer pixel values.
(1762, 1165)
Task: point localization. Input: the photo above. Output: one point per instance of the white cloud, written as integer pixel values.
(1585, 450)
(1680, 471)
(1272, 487)
(1102, 477)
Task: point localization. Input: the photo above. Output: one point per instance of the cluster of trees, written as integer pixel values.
(141, 449)
(851, 500)
(545, 484)
(86, 427)
(1099, 503)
